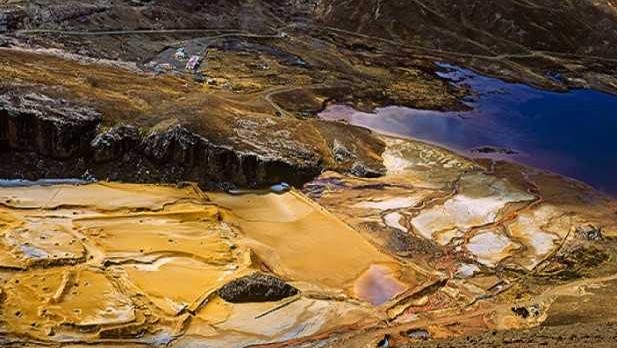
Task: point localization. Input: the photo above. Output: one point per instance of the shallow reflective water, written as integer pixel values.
(41, 182)
(573, 133)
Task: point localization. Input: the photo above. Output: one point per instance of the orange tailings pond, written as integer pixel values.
(146, 264)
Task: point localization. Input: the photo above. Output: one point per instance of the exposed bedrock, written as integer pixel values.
(52, 128)
(43, 137)
(257, 287)
(114, 143)
(218, 163)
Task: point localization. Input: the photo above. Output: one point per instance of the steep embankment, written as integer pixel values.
(60, 118)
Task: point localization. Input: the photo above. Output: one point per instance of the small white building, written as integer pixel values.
(194, 63)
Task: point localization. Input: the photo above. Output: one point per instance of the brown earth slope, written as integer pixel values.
(243, 119)
(511, 38)
(268, 66)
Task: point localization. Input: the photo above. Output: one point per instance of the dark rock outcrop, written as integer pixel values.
(223, 163)
(494, 150)
(115, 143)
(257, 287)
(589, 232)
(177, 144)
(362, 170)
(10, 19)
(54, 138)
(341, 152)
(52, 128)
(525, 312)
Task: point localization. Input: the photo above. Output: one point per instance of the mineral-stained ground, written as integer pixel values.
(138, 264)
(384, 242)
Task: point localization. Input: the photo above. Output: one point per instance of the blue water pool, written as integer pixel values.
(572, 133)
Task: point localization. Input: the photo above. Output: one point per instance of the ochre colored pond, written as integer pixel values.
(143, 263)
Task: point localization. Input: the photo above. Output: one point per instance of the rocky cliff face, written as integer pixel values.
(10, 19)
(49, 138)
(212, 162)
(52, 128)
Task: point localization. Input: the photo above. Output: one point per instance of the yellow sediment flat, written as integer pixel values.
(101, 196)
(301, 240)
(178, 283)
(130, 265)
(42, 302)
(141, 264)
(196, 232)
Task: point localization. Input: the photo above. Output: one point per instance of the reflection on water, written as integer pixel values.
(41, 182)
(569, 133)
(378, 285)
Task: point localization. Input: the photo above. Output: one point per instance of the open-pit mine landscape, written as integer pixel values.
(308, 173)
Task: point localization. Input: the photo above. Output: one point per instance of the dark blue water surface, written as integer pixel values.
(572, 133)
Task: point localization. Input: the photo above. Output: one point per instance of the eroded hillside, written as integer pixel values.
(520, 40)
(244, 117)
